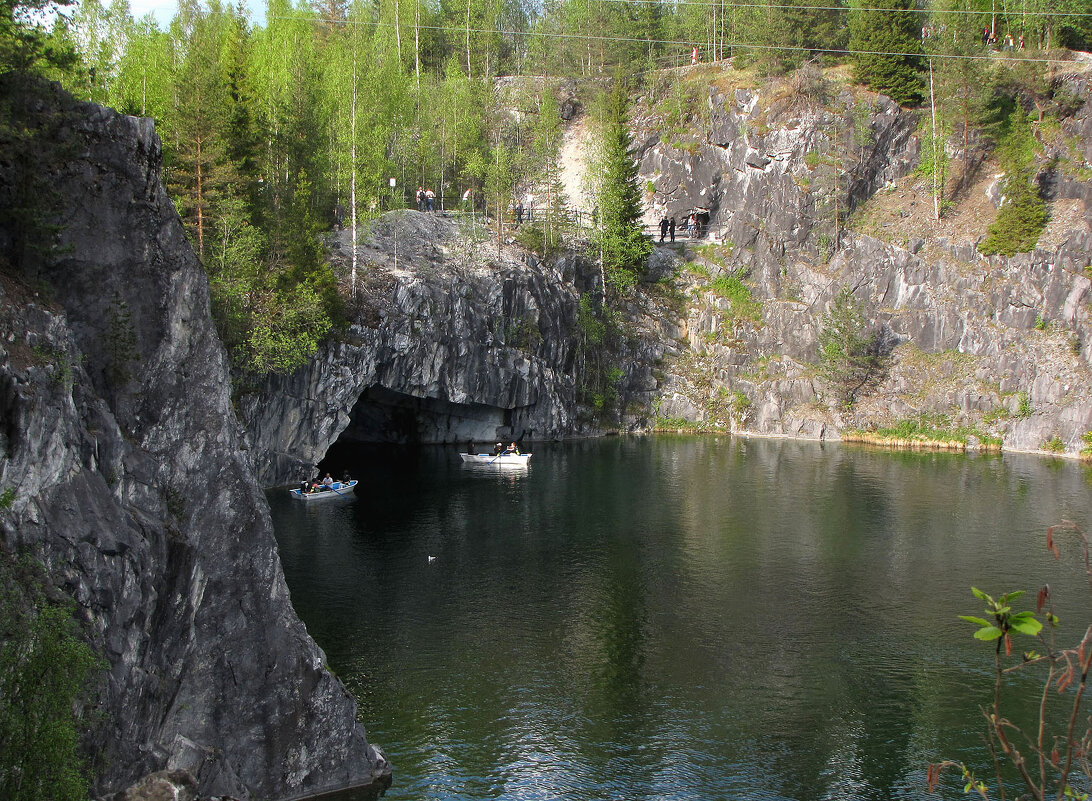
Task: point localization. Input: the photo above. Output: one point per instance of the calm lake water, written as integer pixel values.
(675, 617)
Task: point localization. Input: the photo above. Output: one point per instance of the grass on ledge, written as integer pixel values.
(680, 424)
(925, 431)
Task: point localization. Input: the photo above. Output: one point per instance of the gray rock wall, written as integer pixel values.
(1001, 344)
(134, 492)
(453, 340)
(750, 165)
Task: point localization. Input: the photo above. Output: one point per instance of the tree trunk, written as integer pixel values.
(352, 178)
(936, 164)
(469, 71)
(398, 35)
(199, 204)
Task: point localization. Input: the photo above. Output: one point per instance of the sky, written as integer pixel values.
(164, 10)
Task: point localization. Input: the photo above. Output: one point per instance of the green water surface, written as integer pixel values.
(675, 617)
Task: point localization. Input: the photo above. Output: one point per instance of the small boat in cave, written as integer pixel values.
(339, 489)
(503, 459)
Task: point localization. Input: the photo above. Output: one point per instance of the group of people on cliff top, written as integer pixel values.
(426, 199)
(691, 227)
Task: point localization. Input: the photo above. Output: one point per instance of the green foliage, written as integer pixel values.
(934, 162)
(7, 498)
(1046, 754)
(1024, 408)
(732, 289)
(598, 376)
(1023, 215)
(930, 428)
(1054, 445)
(286, 327)
(1086, 438)
(524, 334)
(740, 405)
(45, 671)
(534, 238)
(119, 343)
(850, 360)
(31, 133)
(1001, 621)
(1020, 221)
(886, 35)
(621, 239)
(26, 45)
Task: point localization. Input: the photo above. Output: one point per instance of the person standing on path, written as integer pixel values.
(663, 228)
(671, 228)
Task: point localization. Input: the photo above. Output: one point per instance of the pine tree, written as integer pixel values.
(199, 169)
(622, 242)
(850, 359)
(885, 36)
(1023, 214)
(24, 44)
(1020, 221)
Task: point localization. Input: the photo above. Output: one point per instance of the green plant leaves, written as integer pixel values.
(1001, 620)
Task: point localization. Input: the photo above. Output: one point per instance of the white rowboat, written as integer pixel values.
(338, 490)
(503, 460)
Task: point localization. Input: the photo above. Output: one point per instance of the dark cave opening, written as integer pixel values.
(381, 415)
(396, 426)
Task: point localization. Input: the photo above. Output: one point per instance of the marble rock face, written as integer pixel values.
(131, 487)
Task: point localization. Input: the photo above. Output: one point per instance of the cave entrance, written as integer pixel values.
(382, 416)
(701, 222)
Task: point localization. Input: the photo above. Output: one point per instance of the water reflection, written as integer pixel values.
(671, 617)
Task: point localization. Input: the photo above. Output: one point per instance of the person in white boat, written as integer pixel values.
(512, 450)
(328, 482)
(498, 449)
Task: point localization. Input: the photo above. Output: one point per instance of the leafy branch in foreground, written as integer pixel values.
(1054, 759)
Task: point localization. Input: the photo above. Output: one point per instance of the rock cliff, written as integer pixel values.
(454, 339)
(999, 345)
(457, 340)
(122, 451)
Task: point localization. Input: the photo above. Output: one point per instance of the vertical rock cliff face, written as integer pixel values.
(454, 340)
(119, 440)
(764, 171)
(1003, 344)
